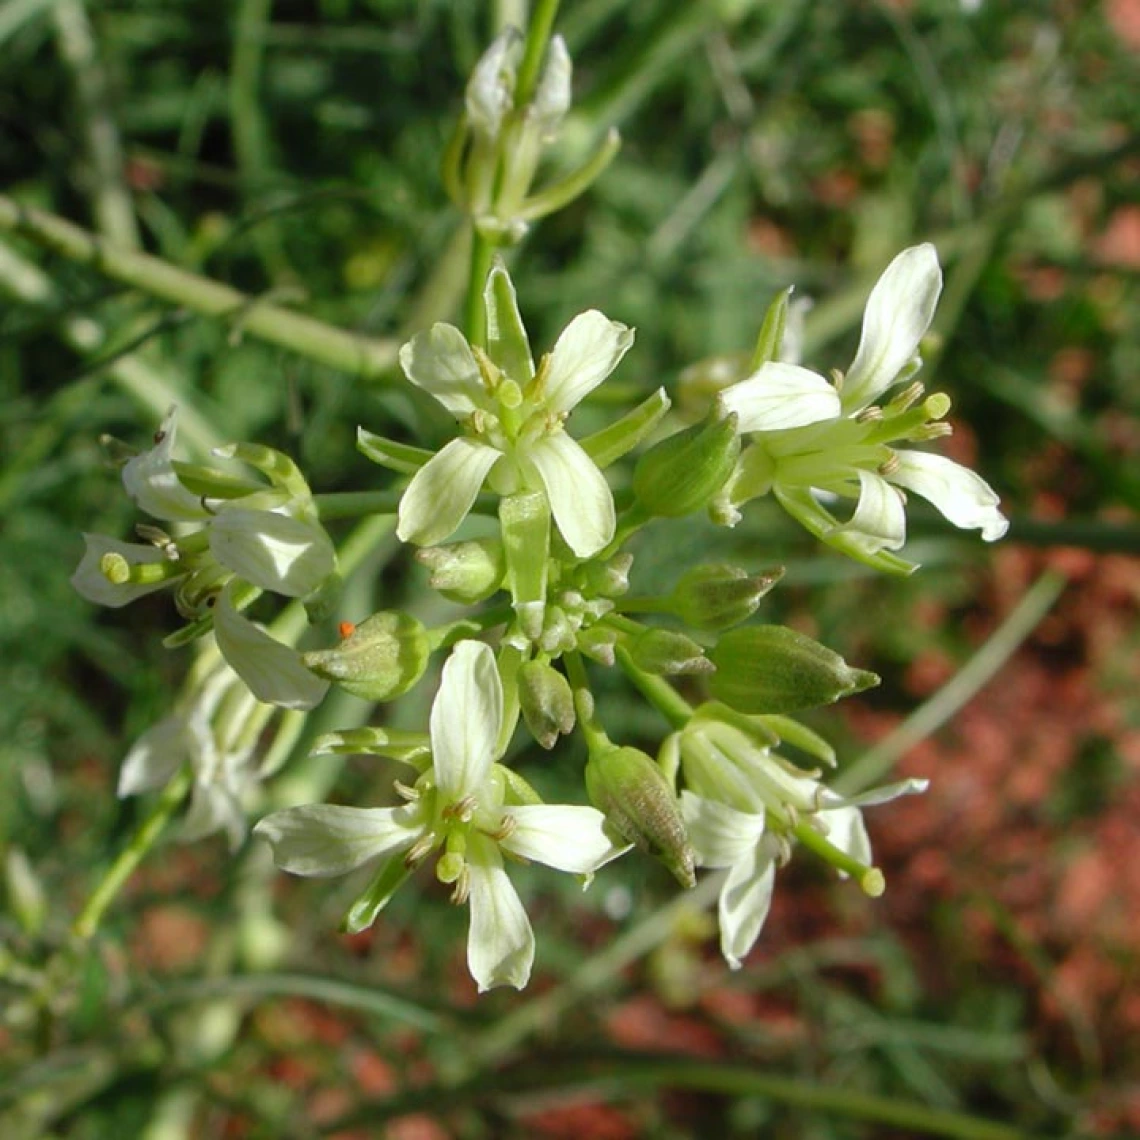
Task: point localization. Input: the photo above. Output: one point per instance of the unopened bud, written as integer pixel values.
(681, 474)
(718, 597)
(384, 656)
(466, 572)
(552, 95)
(667, 652)
(546, 701)
(773, 669)
(597, 643)
(491, 88)
(640, 806)
(606, 579)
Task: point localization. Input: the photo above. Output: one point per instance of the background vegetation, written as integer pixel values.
(291, 151)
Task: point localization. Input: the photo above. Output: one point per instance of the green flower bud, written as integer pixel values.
(770, 342)
(681, 474)
(597, 643)
(546, 701)
(664, 651)
(718, 597)
(773, 669)
(382, 657)
(640, 806)
(466, 572)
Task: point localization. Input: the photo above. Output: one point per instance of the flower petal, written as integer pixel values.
(898, 313)
(500, 944)
(879, 521)
(158, 754)
(580, 498)
(465, 719)
(778, 396)
(721, 836)
(566, 838)
(321, 840)
(847, 831)
(274, 551)
(214, 806)
(91, 583)
(273, 671)
(154, 486)
(440, 361)
(745, 900)
(441, 492)
(965, 498)
(588, 350)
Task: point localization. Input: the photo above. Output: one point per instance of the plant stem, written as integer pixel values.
(474, 316)
(131, 855)
(537, 37)
(351, 504)
(656, 690)
(362, 356)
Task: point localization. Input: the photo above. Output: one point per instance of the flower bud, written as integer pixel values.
(773, 669)
(546, 701)
(717, 597)
(681, 474)
(640, 806)
(384, 656)
(466, 572)
(667, 652)
(491, 88)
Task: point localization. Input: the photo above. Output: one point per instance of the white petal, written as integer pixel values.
(966, 499)
(898, 313)
(721, 836)
(745, 900)
(566, 838)
(441, 492)
(552, 95)
(580, 498)
(585, 354)
(274, 551)
(879, 521)
(273, 671)
(157, 755)
(846, 830)
(214, 807)
(323, 839)
(500, 945)
(440, 361)
(778, 396)
(883, 795)
(91, 583)
(490, 90)
(153, 485)
(465, 720)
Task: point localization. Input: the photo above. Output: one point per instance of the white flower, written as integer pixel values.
(811, 437)
(513, 418)
(462, 807)
(744, 806)
(222, 775)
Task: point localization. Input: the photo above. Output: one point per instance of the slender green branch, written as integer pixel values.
(129, 858)
(928, 718)
(657, 691)
(352, 504)
(361, 356)
(538, 31)
(482, 257)
(111, 201)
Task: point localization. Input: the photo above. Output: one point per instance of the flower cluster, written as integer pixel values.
(515, 519)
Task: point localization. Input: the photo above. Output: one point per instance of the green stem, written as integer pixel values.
(879, 759)
(132, 855)
(352, 504)
(656, 690)
(474, 314)
(869, 878)
(595, 734)
(361, 356)
(538, 31)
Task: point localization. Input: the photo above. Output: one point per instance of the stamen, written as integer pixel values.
(419, 851)
(889, 468)
(870, 415)
(462, 810)
(405, 792)
(462, 890)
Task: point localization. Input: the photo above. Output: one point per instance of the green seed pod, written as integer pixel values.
(716, 598)
(681, 474)
(382, 657)
(638, 803)
(668, 653)
(546, 701)
(773, 669)
(466, 572)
